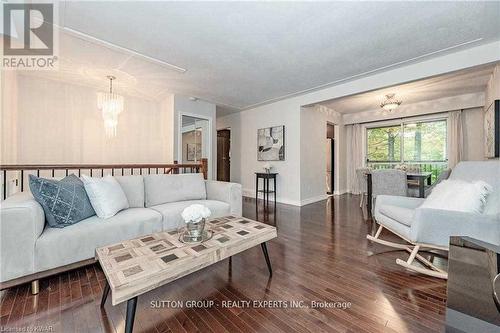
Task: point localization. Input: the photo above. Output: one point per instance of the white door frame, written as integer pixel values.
(210, 139)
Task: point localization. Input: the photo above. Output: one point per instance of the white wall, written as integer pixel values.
(313, 152)
(167, 109)
(244, 125)
(493, 88)
(244, 164)
(200, 109)
(472, 118)
(8, 114)
(452, 103)
(60, 123)
(473, 134)
(51, 121)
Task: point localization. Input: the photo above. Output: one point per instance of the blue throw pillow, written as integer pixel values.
(64, 202)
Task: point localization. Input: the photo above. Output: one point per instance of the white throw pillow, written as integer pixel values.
(106, 195)
(459, 195)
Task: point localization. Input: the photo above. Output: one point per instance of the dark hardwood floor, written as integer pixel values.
(321, 254)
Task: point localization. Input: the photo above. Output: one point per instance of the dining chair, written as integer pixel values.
(413, 190)
(362, 185)
(388, 182)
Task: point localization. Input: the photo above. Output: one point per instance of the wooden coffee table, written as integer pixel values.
(138, 265)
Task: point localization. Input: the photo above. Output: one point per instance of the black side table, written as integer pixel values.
(265, 177)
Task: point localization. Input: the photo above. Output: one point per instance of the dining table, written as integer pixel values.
(422, 179)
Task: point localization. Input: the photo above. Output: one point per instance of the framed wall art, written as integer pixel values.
(271, 143)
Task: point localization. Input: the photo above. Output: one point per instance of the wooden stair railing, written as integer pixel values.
(22, 169)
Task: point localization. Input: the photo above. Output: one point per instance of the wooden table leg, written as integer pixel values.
(105, 294)
(129, 321)
(256, 189)
(274, 189)
(264, 192)
(267, 191)
(266, 256)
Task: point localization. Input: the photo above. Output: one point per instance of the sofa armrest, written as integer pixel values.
(399, 201)
(21, 223)
(226, 192)
(436, 226)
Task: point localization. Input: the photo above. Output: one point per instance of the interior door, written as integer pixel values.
(223, 155)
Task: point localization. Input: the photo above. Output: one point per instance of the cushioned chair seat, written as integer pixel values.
(58, 247)
(171, 212)
(393, 225)
(400, 214)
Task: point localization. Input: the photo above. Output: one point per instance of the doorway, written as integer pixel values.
(223, 155)
(330, 158)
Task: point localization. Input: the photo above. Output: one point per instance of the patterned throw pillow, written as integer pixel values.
(64, 202)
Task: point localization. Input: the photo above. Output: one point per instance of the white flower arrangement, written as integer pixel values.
(195, 213)
(402, 167)
(267, 167)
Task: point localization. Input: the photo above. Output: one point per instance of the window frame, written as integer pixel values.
(402, 122)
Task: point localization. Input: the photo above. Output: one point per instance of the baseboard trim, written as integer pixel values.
(309, 201)
(251, 194)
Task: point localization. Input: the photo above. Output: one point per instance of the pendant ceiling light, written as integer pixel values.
(111, 105)
(390, 103)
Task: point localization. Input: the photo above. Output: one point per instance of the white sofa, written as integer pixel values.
(432, 228)
(29, 249)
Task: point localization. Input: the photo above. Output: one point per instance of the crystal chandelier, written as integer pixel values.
(111, 105)
(390, 103)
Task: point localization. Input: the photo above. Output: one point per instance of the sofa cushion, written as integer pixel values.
(171, 212)
(106, 195)
(64, 202)
(399, 214)
(58, 247)
(133, 186)
(160, 189)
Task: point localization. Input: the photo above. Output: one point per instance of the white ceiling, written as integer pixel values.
(467, 81)
(240, 54)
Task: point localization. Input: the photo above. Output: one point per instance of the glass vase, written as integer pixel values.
(195, 230)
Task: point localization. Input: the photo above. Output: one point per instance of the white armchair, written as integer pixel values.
(431, 228)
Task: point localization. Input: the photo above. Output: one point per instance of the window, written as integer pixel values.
(384, 144)
(425, 141)
(421, 145)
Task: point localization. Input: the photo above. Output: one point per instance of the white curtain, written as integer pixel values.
(455, 138)
(354, 156)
